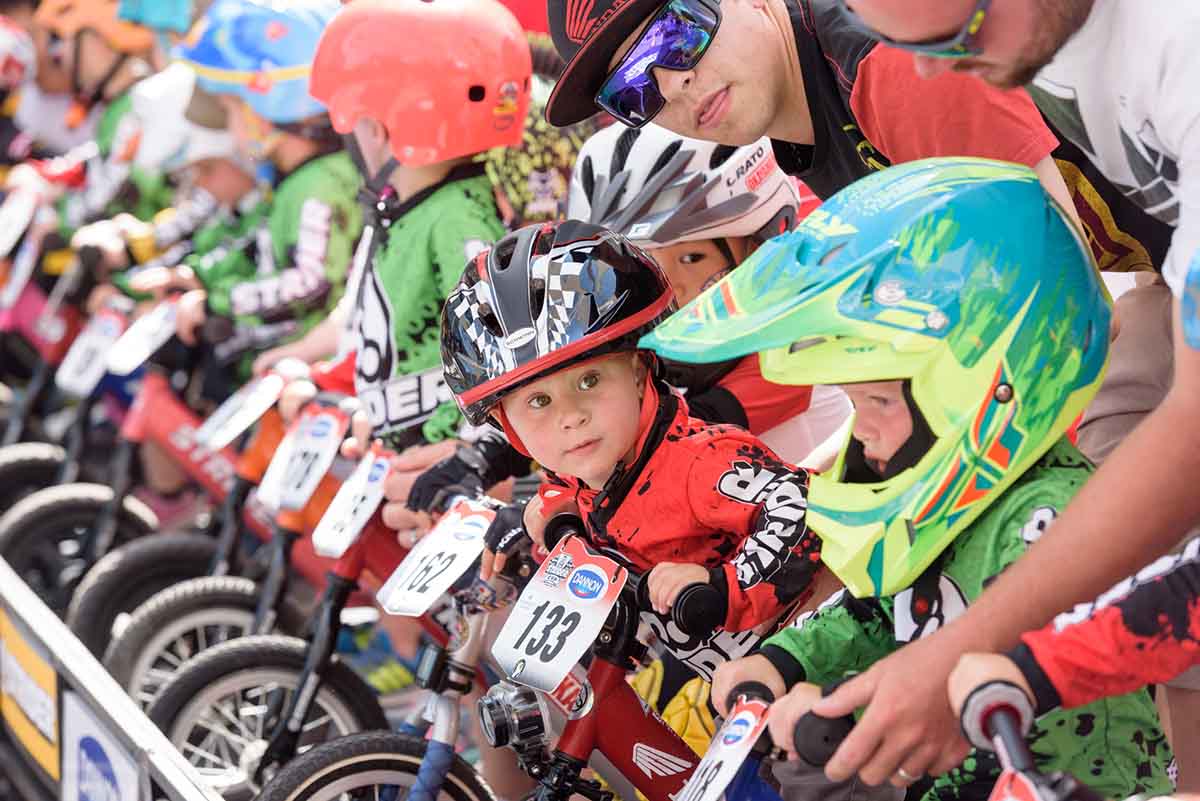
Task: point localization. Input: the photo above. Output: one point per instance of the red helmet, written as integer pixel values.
(543, 298)
(447, 78)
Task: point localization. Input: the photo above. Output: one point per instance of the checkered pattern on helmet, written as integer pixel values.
(464, 303)
(563, 290)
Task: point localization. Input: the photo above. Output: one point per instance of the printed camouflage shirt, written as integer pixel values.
(1115, 744)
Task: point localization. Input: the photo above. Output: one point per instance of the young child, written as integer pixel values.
(942, 319)
(285, 275)
(418, 117)
(540, 339)
(700, 209)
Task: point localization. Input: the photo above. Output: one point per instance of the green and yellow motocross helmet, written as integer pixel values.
(960, 275)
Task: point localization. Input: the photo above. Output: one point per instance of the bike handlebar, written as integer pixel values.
(698, 609)
(814, 738)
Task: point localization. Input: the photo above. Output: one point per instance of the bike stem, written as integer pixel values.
(286, 737)
(274, 584)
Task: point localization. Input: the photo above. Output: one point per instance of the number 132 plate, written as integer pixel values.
(559, 615)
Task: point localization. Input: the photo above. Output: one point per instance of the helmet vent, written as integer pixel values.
(587, 176)
(805, 344)
(664, 158)
(621, 150)
(476, 93)
(720, 155)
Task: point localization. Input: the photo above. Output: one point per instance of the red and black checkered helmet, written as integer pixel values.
(543, 298)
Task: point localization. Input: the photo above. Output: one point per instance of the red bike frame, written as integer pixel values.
(50, 334)
(159, 416)
(620, 725)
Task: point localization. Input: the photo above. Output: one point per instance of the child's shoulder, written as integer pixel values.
(693, 444)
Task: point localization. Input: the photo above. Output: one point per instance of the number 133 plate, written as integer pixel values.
(559, 615)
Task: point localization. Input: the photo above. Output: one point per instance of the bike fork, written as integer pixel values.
(274, 584)
(76, 442)
(286, 735)
(227, 536)
(35, 392)
(447, 679)
(99, 539)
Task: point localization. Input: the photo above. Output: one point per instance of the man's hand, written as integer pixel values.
(755, 667)
(786, 711)
(668, 579)
(190, 315)
(908, 722)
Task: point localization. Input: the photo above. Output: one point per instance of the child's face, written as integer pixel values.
(692, 267)
(223, 179)
(582, 420)
(882, 422)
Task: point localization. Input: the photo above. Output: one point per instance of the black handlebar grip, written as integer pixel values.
(816, 738)
(750, 689)
(699, 609)
(216, 329)
(1004, 722)
(90, 259)
(561, 526)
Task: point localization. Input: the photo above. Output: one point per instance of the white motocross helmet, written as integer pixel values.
(657, 188)
(171, 139)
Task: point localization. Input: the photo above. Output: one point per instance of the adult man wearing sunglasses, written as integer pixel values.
(836, 105)
(1118, 78)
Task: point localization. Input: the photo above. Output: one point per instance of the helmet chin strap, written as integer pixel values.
(374, 185)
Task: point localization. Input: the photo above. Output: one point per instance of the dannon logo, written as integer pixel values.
(587, 583)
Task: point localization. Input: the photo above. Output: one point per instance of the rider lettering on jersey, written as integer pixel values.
(303, 282)
(784, 503)
(405, 401)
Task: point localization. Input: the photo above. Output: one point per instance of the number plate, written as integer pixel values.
(352, 507)
(270, 488)
(316, 447)
(438, 559)
(727, 751)
(86, 361)
(559, 615)
(16, 214)
(240, 411)
(18, 276)
(147, 334)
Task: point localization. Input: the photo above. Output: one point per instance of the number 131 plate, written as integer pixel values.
(727, 751)
(559, 615)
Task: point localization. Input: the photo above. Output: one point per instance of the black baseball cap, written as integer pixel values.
(587, 34)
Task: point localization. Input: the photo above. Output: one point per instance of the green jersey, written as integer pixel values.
(1114, 745)
(287, 269)
(396, 326)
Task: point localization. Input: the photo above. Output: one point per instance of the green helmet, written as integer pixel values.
(960, 276)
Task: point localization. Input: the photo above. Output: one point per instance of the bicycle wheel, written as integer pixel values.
(40, 536)
(27, 467)
(180, 622)
(126, 577)
(219, 708)
(374, 765)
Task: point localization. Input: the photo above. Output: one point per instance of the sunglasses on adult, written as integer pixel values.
(963, 44)
(676, 38)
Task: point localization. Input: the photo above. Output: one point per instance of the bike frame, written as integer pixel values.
(627, 731)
